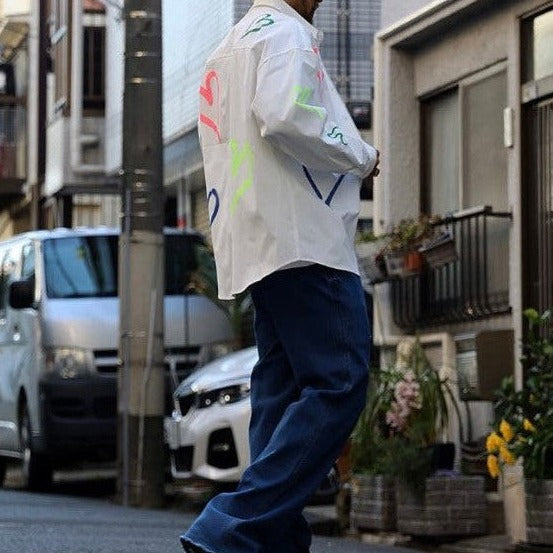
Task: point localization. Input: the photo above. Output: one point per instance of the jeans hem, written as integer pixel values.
(186, 541)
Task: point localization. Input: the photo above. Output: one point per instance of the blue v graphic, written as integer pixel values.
(316, 188)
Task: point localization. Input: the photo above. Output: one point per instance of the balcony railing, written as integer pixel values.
(474, 286)
(13, 143)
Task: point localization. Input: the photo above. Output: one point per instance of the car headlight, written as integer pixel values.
(69, 363)
(223, 396)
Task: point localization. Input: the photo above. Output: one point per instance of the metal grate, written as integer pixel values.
(474, 286)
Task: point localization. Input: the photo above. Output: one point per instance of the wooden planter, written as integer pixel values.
(373, 503)
(539, 511)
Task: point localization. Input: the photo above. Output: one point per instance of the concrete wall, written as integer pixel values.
(394, 10)
(14, 8)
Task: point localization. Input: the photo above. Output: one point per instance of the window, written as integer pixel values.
(441, 153)
(94, 45)
(538, 53)
(80, 267)
(28, 261)
(464, 160)
(8, 266)
(59, 38)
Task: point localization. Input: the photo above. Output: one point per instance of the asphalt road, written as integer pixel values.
(66, 522)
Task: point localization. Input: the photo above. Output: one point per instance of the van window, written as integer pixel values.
(28, 262)
(87, 266)
(8, 265)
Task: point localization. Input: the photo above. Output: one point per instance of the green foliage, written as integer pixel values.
(410, 234)
(529, 411)
(204, 281)
(406, 409)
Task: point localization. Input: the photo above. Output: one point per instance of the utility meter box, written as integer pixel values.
(483, 360)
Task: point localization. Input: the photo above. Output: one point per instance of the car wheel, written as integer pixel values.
(36, 469)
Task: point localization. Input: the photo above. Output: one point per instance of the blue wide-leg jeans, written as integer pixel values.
(308, 389)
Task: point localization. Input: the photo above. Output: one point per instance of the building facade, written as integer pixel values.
(17, 113)
(464, 120)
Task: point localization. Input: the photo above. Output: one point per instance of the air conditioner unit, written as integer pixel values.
(483, 360)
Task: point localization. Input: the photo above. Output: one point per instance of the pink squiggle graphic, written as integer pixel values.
(208, 122)
(206, 92)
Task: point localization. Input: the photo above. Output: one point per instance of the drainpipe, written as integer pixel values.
(77, 139)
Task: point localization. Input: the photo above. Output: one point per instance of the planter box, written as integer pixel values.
(441, 252)
(539, 511)
(367, 254)
(373, 503)
(449, 506)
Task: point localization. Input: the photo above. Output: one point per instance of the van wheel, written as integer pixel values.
(3, 468)
(36, 469)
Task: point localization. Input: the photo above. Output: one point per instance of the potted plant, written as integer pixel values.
(396, 436)
(439, 249)
(239, 310)
(373, 502)
(524, 427)
(401, 251)
(369, 250)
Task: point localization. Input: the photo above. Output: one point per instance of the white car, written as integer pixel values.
(207, 433)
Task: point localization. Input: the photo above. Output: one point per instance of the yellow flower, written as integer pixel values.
(506, 455)
(494, 442)
(528, 426)
(506, 431)
(493, 466)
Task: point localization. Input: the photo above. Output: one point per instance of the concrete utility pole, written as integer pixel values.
(141, 255)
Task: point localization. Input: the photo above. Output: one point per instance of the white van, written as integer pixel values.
(59, 338)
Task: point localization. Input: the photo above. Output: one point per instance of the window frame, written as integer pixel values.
(460, 87)
(60, 18)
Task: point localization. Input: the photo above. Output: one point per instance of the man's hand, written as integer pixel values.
(376, 171)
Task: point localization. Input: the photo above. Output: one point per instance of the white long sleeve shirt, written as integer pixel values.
(283, 159)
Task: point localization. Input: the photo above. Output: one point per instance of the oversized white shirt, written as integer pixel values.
(283, 159)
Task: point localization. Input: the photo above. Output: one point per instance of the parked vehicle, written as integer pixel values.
(207, 433)
(59, 339)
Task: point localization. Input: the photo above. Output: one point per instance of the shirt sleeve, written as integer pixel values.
(292, 112)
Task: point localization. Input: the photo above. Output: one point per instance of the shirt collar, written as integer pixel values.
(284, 7)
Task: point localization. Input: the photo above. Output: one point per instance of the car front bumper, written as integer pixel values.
(210, 443)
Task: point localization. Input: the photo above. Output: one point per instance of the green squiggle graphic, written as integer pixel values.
(336, 134)
(241, 156)
(302, 95)
(259, 24)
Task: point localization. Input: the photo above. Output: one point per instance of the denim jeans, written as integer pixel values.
(308, 389)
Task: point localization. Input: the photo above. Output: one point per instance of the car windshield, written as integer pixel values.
(87, 266)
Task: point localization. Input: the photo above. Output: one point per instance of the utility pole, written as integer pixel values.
(141, 263)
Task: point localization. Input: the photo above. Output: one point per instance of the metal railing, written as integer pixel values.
(474, 286)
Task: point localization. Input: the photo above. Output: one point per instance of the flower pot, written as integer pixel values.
(413, 262)
(539, 511)
(448, 506)
(373, 502)
(395, 263)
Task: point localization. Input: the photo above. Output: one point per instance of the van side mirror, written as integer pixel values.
(22, 294)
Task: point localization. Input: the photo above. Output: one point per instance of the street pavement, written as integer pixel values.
(50, 523)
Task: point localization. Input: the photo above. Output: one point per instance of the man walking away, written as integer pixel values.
(283, 164)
